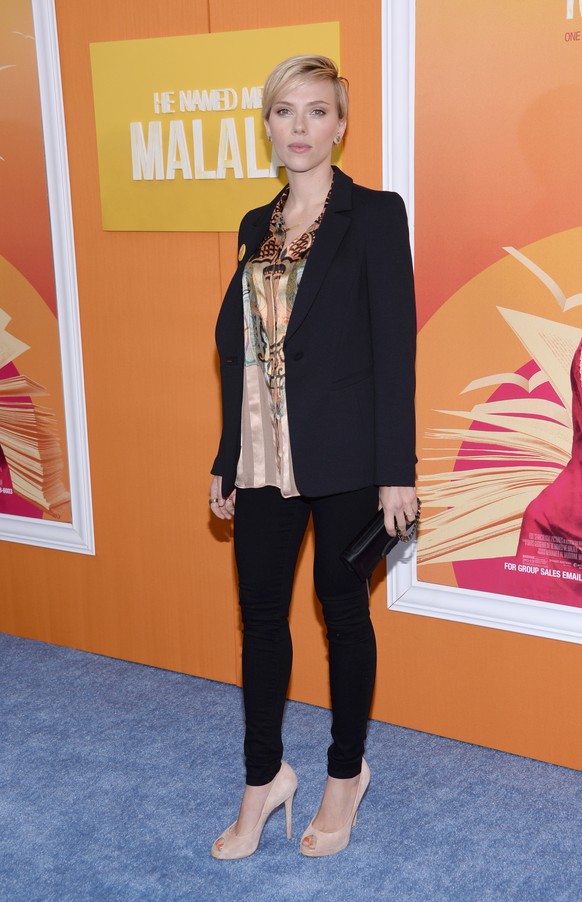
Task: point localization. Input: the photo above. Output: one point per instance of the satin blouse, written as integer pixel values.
(269, 285)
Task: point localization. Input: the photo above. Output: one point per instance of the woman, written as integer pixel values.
(316, 339)
(549, 553)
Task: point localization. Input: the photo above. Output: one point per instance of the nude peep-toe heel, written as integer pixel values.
(231, 845)
(317, 844)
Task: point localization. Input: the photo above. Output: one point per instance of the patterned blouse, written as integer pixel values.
(270, 281)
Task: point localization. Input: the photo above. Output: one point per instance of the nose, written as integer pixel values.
(299, 125)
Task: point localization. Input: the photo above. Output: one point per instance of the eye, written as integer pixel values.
(282, 111)
(319, 112)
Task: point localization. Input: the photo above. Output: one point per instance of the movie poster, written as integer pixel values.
(33, 453)
(180, 135)
(498, 243)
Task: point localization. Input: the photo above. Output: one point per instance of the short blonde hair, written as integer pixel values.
(295, 71)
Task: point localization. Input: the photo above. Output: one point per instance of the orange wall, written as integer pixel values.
(161, 588)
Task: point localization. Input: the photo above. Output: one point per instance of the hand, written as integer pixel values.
(224, 507)
(399, 504)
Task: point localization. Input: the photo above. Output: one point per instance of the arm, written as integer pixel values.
(393, 321)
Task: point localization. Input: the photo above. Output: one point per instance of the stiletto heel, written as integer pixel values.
(317, 844)
(231, 845)
(289, 816)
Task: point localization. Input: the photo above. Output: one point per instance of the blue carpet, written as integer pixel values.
(115, 778)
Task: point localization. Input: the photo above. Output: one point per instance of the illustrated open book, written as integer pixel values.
(28, 435)
(525, 443)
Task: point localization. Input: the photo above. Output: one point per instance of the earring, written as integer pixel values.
(337, 139)
(269, 138)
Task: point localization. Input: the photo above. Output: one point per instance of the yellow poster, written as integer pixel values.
(179, 129)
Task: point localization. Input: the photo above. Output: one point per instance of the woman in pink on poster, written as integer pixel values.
(316, 338)
(549, 554)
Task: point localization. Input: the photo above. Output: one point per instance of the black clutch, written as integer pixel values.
(373, 543)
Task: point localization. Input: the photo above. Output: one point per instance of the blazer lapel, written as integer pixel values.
(255, 231)
(330, 233)
(231, 313)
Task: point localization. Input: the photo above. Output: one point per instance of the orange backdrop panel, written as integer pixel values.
(161, 588)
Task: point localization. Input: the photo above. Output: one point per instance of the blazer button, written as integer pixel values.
(298, 355)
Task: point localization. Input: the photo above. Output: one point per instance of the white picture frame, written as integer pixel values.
(79, 534)
(405, 593)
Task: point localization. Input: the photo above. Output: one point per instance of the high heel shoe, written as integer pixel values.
(317, 844)
(231, 845)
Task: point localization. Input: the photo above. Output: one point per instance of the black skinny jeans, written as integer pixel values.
(268, 531)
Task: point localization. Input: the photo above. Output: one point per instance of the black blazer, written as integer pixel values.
(349, 349)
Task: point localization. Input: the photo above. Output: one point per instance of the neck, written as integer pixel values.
(308, 188)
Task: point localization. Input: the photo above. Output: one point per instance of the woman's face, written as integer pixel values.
(303, 125)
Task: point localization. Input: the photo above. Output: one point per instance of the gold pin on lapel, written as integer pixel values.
(242, 252)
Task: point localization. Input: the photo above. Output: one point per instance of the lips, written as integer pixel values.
(299, 148)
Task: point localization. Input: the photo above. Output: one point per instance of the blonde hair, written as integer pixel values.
(295, 71)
